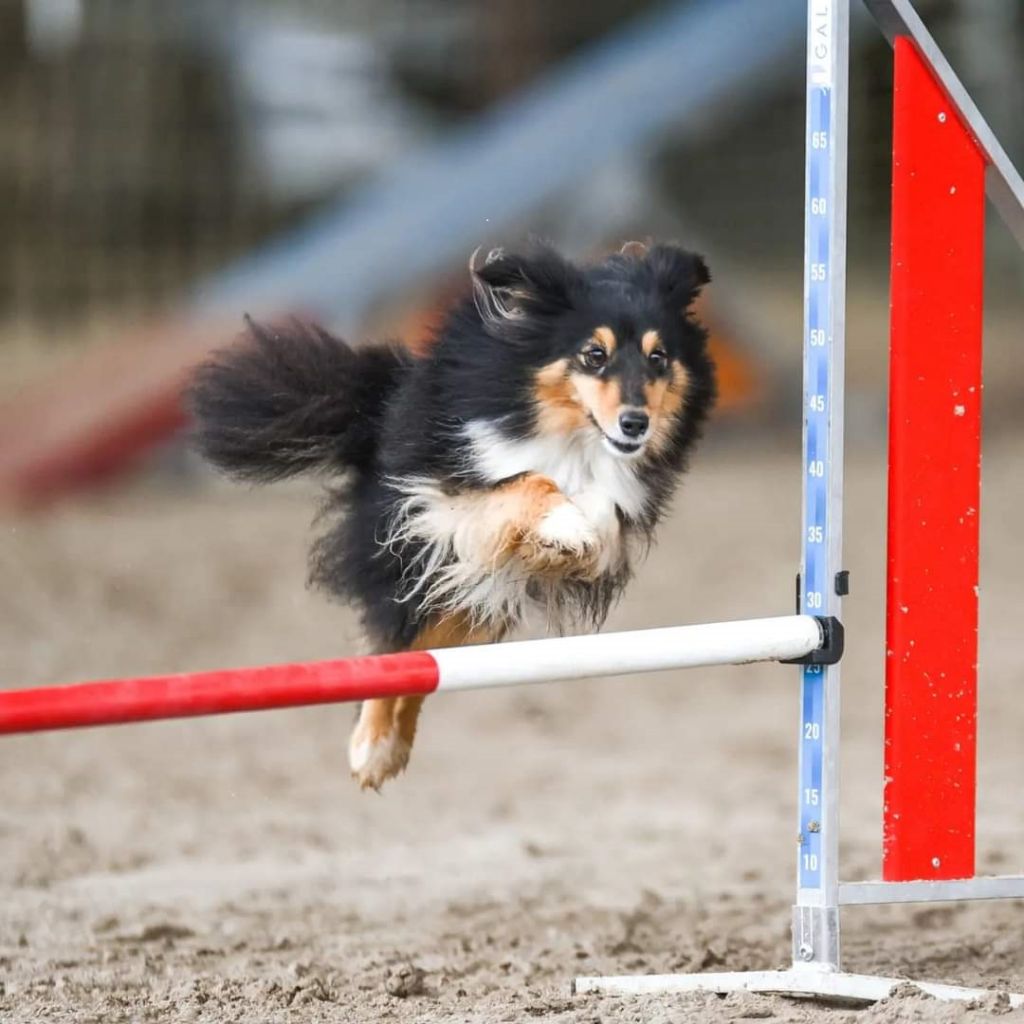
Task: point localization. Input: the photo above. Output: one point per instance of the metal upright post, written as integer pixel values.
(927, 196)
(816, 914)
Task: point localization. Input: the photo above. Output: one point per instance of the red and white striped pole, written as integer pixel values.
(417, 672)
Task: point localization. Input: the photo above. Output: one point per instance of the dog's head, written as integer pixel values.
(613, 347)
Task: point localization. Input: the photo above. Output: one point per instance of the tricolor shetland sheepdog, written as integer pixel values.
(521, 463)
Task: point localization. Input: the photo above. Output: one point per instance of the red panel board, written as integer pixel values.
(938, 205)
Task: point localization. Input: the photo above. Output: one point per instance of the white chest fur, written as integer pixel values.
(448, 574)
(584, 469)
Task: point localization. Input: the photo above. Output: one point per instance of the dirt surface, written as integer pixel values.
(228, 869)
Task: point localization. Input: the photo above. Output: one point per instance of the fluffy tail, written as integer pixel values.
(280, 402)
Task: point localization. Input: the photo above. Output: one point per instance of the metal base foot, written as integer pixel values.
(809, 982)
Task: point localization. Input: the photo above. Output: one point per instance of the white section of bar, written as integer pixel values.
(806, 981)
(646, 650)
(984, 887)
(1005, 186)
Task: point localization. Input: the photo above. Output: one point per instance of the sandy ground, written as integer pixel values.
(228, 869)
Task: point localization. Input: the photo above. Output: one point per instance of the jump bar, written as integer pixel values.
(981, 887)
(417, 672)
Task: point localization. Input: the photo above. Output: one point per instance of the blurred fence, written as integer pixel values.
(144, 143)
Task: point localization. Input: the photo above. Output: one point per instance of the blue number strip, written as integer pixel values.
(815, 598)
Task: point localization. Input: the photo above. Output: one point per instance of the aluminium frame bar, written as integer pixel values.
(980, 887)
(806, 981)
(816, 910)
(1004, 184)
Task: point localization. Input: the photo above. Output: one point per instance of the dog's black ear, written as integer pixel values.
(678, 274)
(512, 290)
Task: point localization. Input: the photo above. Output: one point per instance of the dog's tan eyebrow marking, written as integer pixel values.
(605, 337)
(650, 341)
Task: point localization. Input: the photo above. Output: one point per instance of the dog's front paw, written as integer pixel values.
(563, 542)
(566, 528)
(375, 757)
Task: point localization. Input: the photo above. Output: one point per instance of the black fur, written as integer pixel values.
(290, 402)
(282, 402)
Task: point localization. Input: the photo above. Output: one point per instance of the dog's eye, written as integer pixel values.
(594, 356)
(658, 359)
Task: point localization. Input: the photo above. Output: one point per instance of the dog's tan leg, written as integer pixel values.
(382, 739)
(375, 752)
(547, 532)
(528, 519)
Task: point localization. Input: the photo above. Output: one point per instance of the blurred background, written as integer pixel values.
(165, 167)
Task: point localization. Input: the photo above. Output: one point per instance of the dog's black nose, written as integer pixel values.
(633, 422)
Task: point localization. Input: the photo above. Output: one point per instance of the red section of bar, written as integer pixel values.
(938, 205)
(213, 693)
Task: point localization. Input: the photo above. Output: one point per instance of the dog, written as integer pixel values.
(522, 462)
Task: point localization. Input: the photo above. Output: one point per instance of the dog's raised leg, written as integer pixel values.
(528, 519)
(375, 751)
(382, 739)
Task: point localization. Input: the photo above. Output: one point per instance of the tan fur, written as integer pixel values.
(601, 397)
(665, 398)
(388, 725)
(449, 631)
(650, 341)
(605, 337)
(481, 547)
(511, 519)
(507, 515)
(558, 408)
(525, 501)
(564, 398)
(520, 506)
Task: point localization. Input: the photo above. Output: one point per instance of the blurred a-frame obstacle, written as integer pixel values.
(110, 405)
(944, 155)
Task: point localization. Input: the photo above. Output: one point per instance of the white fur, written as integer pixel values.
(581, 464)
(452, 573)
(566, 527)
(374, 763)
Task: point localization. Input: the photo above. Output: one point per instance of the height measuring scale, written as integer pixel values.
(816, 914)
